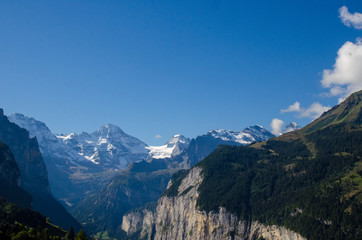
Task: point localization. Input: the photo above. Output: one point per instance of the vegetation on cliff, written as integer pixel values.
(308, 180)
(24, 224)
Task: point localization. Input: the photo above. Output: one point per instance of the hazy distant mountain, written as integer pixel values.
(80, 165)
(107, 147)
(88, 167)
(49, 144)
(143, 182)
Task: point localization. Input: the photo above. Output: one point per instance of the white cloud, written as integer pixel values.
(292, 108)
(313, 111)
(349, 19)
(344, 78)
(158, 136)
(276, 126)
(346, 75)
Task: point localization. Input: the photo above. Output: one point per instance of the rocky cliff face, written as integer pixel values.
(33, 173)
(10, 179)
(9, 171)
(179, 218)
(139, 223)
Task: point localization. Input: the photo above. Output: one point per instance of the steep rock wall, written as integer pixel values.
(179, 218)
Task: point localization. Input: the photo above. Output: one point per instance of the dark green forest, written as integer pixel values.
(24, 224)
(310, 184)
(309, 180)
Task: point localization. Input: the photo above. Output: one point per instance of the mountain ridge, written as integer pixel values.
(147, 180)
(173, 147)
(33, 172)
(73, 176)
(279, 182)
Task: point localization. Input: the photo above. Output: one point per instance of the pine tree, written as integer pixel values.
(70, 234)
(81, 235)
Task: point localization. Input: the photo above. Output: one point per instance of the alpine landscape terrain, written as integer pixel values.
(305, 184)
(181, 120)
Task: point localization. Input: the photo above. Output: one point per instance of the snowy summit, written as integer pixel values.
(173, 147)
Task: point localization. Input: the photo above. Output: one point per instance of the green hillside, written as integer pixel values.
(308, 180)
(16, 223)
(24, 224)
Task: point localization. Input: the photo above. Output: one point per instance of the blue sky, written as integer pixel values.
(168, 67)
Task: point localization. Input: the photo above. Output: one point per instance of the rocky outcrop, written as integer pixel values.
(139, 222)
(178, 217)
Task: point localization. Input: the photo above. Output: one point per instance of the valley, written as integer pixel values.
(221, 184)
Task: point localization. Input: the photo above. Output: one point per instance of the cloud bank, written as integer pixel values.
(350, 19)
(158, 136)
(346, 75)
(313, 111)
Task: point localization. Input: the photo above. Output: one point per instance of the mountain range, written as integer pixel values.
(102, 175)
(144, 182)
(79, 165)
(26, 177)
(305, 184)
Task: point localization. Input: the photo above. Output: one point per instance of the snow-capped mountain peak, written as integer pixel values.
(248, 135)
(49, 144)
(177, 139)
(292, 126)
(107, 147)
(172, 148)
(108, 131)
(36, 128)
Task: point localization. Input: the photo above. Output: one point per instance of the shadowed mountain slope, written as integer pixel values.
(33, 173)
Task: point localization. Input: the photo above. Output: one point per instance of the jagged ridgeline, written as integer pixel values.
(101, 214)
(308, 180)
